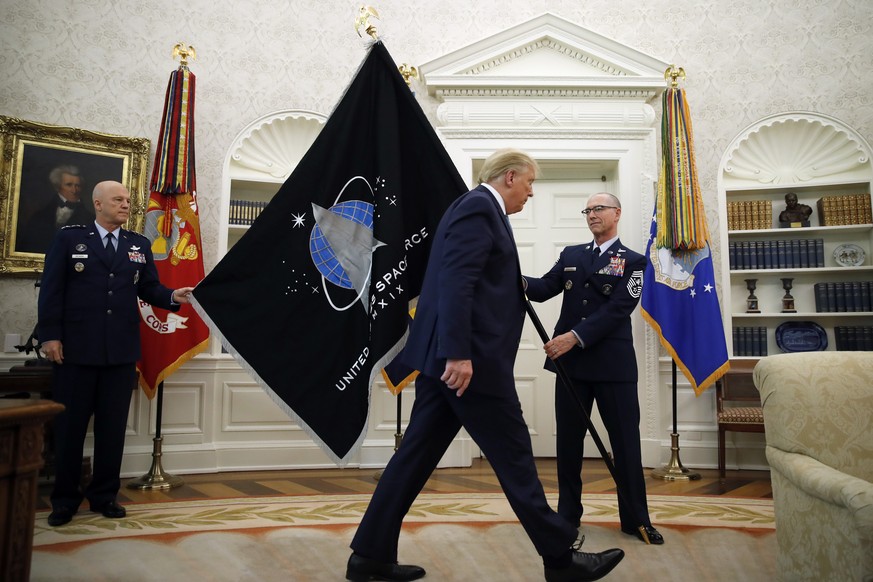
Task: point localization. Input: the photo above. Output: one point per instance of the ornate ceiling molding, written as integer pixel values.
(545, 56)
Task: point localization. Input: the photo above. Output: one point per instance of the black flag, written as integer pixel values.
(314, 299)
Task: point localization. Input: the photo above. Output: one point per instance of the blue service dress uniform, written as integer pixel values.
(600, 293)
(88, 300)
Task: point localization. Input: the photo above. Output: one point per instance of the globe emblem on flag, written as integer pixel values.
(322, 252)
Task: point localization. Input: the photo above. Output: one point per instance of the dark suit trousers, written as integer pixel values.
(104, 392)
(496, 424)
(620, 411)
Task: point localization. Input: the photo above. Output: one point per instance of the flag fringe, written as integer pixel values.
(706, 382)
(150, 391)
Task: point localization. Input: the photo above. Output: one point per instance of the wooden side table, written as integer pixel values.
(21, 442)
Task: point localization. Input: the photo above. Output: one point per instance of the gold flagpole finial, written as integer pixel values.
(363, 21)
(409, 72)
(184, 51)
(673, 74)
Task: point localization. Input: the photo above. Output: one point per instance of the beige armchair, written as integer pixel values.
(818, 414)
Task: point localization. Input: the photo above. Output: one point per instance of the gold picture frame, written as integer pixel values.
(29, 152)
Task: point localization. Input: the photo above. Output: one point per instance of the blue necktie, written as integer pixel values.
(110, 248)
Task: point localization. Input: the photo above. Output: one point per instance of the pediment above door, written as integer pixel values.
(542, 56)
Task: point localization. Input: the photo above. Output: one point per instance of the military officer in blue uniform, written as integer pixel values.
(88, 325)
(601, 282)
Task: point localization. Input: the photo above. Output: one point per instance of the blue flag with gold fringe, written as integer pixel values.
(679, 298)
(314, 299)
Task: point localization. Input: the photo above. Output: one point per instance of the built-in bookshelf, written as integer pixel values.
(261, 158)
(812, 276)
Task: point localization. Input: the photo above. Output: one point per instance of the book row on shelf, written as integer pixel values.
(843, 210)
(776, 254)
(750, 341)
(244, 212)
(750, 215)
(857, 338)
(843, 297)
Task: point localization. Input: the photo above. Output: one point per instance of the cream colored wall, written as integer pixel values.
(103, 65)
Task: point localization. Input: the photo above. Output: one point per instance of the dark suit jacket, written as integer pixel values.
(90, 305)
(37, 234)
(598, 301)
(471, 304)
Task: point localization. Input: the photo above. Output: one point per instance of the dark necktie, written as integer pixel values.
(110, 248)
(595, 252)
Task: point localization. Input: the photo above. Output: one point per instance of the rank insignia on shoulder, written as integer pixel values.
(606, 289)
(635, 284)
(567, 269)
(568, 285)
(73, 226)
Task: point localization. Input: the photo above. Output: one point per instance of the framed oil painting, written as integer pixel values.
(47, 174)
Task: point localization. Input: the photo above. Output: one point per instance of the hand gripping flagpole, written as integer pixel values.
(568, 384)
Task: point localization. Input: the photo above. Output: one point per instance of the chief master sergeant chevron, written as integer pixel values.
(89, 328)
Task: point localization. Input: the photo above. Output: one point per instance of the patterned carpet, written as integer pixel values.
(456, 537)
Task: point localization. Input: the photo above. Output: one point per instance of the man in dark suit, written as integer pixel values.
(65, 208)
(89, 327)
(463, 341)
(601, 282)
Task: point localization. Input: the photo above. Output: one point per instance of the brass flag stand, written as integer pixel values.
(156, 478)
(674, 471)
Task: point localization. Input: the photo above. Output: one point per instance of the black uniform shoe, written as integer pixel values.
(360, 569)
(111, 510)
(60, 516)
(586, 567)
(654, 535)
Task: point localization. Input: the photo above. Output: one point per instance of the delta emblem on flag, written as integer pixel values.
(172, 224)
(314, 299)
(679, 295)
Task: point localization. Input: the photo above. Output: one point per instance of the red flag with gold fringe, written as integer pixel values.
(172, 224)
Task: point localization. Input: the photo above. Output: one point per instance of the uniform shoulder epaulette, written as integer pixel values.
(74, 226)
(136, 234)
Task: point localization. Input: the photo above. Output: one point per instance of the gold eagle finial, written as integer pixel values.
(184, 51)
(363, 21)
(673, 74)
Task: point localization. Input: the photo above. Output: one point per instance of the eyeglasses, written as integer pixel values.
(596, 209)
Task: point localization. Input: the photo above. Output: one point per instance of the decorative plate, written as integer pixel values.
(801, 336)
(849, 255)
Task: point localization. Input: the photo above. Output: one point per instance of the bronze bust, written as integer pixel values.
(794, 211)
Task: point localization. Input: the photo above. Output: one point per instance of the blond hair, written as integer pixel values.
(504, 160)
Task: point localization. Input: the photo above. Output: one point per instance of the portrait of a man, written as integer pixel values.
(55, 192)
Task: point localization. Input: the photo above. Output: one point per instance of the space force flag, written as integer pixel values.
(314, 299)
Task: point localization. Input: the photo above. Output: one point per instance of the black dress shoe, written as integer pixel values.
(654, 536)
(111, 510)
(60, 516)
(360, 569)
(586, 567)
